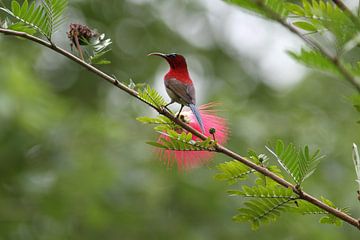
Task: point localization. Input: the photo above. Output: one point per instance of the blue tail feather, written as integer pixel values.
(198, 117)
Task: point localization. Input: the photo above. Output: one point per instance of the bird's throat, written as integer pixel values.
(179, 74)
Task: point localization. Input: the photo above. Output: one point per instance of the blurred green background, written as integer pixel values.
(73, 160)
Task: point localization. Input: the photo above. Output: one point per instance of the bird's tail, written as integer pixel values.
(198, 117)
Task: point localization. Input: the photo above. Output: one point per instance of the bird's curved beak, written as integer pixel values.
(158, 54)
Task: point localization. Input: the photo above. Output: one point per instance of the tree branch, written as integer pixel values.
(345, 9)
(163, 111)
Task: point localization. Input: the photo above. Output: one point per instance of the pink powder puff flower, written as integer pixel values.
(190, 159)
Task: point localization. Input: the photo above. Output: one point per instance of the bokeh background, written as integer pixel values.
(73, 160)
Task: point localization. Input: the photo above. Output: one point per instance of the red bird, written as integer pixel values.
(179, 85)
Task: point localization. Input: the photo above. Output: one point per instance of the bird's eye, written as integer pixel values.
(173, 55)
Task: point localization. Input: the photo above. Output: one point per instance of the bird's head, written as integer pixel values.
(176, 61)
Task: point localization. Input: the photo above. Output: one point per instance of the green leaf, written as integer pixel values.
(97, 58)
(328, 16)
(24, 9)
(151, 96)
(263, 210)
(33, 17)
(15, 7)
(274, 191)
(299, 164)
(182, 141)
(307, 208)
(156, 144)
(54, 10)
(276, 6)
(19, 26)
(44, 18)
(162, 123)
(295, 9)
(247, 5)
(315, 59)
(305, 26)
(232, 171)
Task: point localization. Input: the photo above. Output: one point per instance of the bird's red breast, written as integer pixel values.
(181, 75)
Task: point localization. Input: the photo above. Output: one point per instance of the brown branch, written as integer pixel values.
(346, 10)
(342, 6)
(163, 111)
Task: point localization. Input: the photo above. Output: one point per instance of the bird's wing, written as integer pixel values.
(184, 92)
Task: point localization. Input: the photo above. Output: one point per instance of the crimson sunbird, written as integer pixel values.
(179, 85)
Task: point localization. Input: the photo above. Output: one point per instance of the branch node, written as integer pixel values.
(299, 190)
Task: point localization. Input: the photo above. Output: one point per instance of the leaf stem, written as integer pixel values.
(163, 111)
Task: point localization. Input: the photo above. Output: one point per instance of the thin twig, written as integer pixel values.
(342, 6)
(163, 111)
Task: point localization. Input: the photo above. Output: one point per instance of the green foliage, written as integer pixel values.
(44, 17)
(319, 15)
(298, 163)
(276, 6)
(172, 140)
(248, 5)
(266, 205)
(263, 7)
(161, 123)
(54, 11)
(21, 27)
(314, 59)
(306, 208)
(152, 97)
(263, 210)
(96, 48)
(264, 192)
(305, 26)
(88, 164)
(233, 171)
(268, 199)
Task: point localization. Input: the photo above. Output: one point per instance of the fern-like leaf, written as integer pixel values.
(263, 210)
(265, 192)
(54, 10)
(321, 15)
(233, 171)
(31, 15)
(299, 164)
(314, 59)
(172, 140)
(151, 96)
(306, 208)
(44, 18)
(96, 48)
(21, 27)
